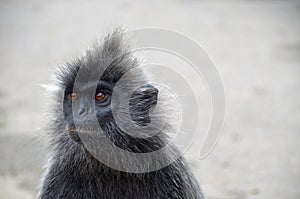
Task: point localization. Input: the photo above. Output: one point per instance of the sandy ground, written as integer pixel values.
(256, 48)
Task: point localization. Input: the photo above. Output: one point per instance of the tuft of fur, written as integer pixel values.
(73, 173)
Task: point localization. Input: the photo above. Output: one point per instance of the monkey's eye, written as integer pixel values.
(73, 96)
(101, 97)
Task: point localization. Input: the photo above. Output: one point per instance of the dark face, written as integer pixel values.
(93, 102)
(89, 103)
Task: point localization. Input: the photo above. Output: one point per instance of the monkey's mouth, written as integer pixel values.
(81, 131)
(79, 134)
(75, 133)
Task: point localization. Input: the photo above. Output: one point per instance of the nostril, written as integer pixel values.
(81, 111)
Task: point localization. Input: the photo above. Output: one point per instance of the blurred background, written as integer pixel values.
(254, 44)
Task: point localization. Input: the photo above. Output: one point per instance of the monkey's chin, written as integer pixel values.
(74, 135)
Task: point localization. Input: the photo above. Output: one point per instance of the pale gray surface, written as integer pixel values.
(255, 45)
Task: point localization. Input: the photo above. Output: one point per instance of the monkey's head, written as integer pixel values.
(107, 85)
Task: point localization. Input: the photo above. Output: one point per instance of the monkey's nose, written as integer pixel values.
(82, 111)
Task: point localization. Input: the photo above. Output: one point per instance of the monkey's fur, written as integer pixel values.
(73, 173)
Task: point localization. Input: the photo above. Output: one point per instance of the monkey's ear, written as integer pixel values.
(141, 101)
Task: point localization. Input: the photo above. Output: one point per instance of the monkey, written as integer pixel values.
(72, 171)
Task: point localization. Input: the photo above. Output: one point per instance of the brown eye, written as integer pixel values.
(100, 97)
(73, 96)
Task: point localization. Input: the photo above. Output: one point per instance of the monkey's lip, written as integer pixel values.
(73, 130)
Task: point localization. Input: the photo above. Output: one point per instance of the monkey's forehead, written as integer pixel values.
(90, 86)
(93, 73)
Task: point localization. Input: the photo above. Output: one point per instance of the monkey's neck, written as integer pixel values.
(69, 153)
(75, 173)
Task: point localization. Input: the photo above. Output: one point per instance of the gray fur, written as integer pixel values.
(73, 173)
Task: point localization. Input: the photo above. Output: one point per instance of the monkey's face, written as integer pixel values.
(94, 100)
(91, 103)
